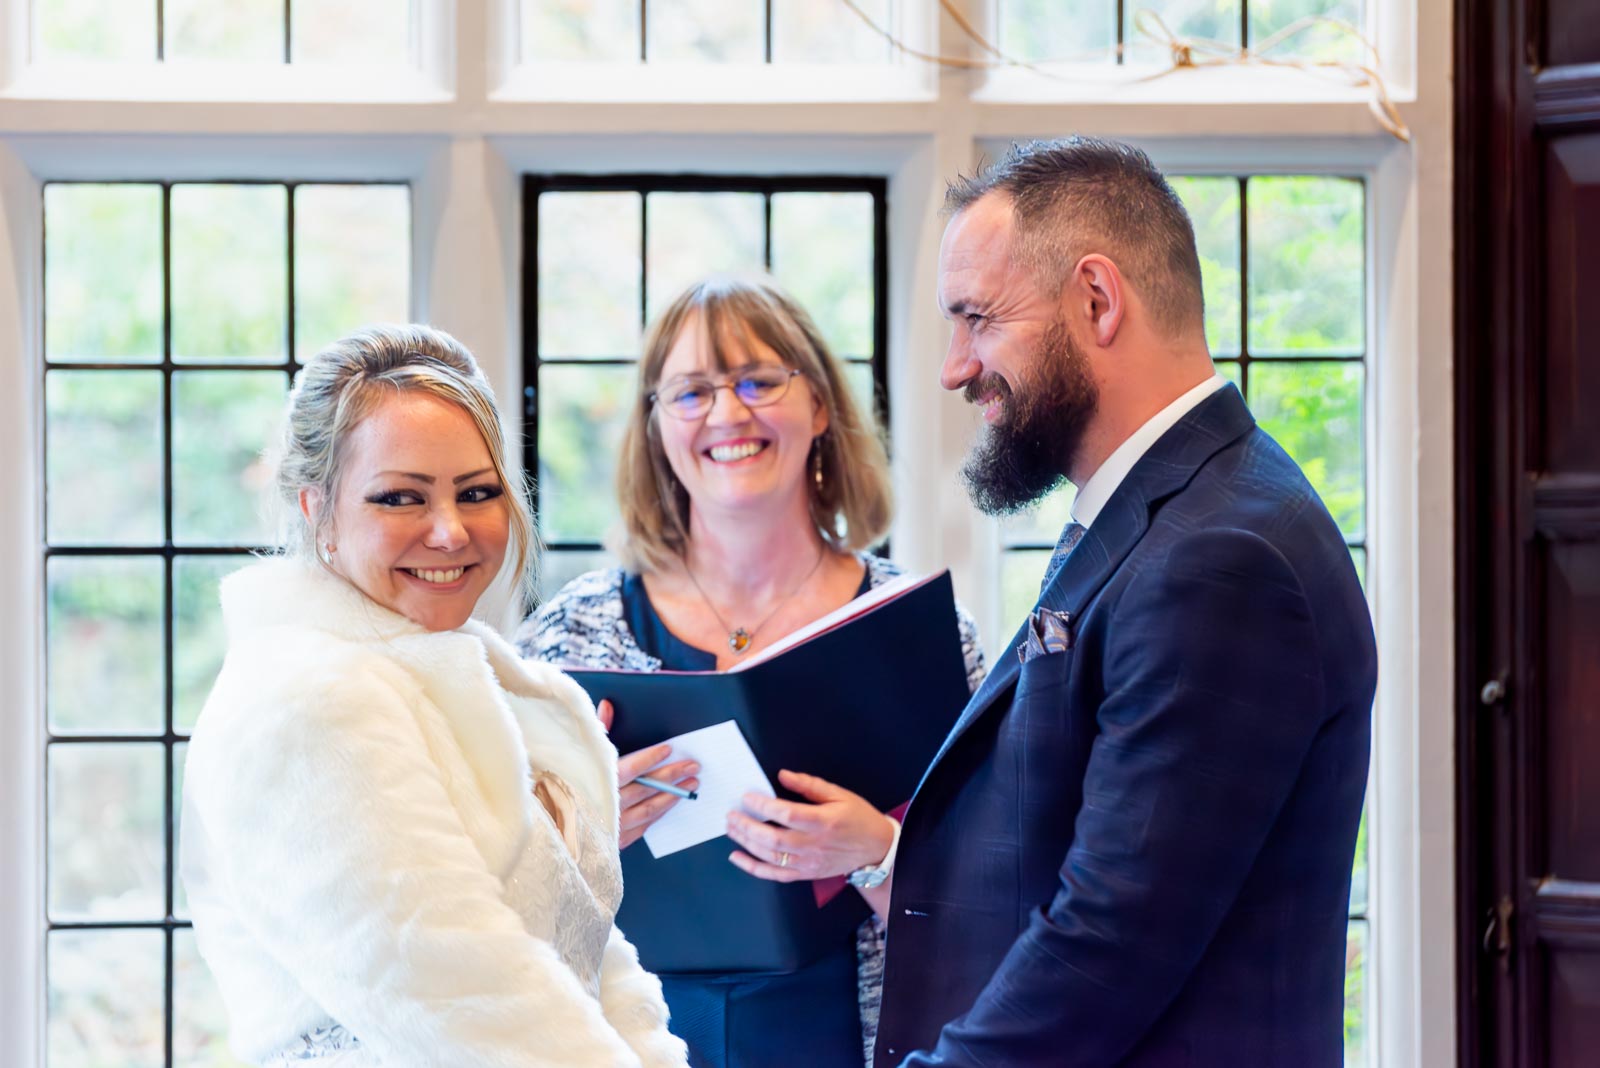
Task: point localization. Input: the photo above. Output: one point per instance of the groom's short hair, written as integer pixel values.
(1080, 195)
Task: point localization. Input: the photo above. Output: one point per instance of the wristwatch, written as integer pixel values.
(870, 876)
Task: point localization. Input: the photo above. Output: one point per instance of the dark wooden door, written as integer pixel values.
(1528, 549)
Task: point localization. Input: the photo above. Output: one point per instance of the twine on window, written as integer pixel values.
(1183, 53)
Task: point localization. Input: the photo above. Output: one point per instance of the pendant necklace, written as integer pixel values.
(739, 638)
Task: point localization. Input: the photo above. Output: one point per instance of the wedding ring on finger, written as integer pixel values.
(783, 860)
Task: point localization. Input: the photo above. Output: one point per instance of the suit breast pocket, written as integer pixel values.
(1043, 673)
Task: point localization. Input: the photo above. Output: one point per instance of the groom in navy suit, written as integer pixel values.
(1135, 846)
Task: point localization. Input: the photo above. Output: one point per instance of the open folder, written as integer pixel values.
(862, 697)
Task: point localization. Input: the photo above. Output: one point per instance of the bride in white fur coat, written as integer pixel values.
(399, 839)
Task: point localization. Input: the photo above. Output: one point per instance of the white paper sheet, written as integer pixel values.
(728, 771)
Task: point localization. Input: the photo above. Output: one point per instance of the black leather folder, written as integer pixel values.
(865, 705)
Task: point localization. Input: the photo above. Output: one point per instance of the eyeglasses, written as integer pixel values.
(691, 396)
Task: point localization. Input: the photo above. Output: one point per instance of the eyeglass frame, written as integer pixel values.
(727, 382)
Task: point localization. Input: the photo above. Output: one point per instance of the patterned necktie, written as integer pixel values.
(1070, 536)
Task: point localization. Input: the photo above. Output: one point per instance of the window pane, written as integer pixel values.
(858, 379)
(180, 764)
(1212, 20)
(706, 31)
(1213, 205)
(1231, 370)
(822, 253)
(247, 31)
(557, 568)
(351, 31)
(581, 417)
(1306, 265)
(1321, 42)
(103, 644)
(105, 993)
(1314, 412)
(199, 1019)
(1042, 524)
(1358, 875)
(198, 639)
(352, 260)
(1355, 996)
(809, 31)
(107, 858)
(221, 423)
(229, 272)
(1021, 571)
(580, 30)
(103, 473)
(1041, 30)
(1359, 558)
(589, 274)
(696, 234)
(102, 278)
(105, 30)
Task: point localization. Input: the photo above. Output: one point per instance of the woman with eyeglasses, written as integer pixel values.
(750, 486)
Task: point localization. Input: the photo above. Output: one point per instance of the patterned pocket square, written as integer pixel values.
(1049, 631)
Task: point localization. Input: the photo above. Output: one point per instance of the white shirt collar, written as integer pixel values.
(1093, 494)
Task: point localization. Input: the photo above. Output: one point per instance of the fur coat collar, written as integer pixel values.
(466, 674)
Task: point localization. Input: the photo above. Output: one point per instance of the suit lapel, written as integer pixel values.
(1166, 468)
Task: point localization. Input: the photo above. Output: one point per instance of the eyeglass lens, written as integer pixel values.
(692, 396)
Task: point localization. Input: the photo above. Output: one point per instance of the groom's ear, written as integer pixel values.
(1097, 296)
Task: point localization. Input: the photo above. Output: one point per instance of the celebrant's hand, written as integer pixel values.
(837, 834)
(642, 806)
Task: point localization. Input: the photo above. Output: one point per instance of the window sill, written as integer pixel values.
(1134, 85)
(762, 83)
(225, 83)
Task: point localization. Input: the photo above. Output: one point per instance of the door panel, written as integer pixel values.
(1569, 423)
(1527, 335)
(1571, 664)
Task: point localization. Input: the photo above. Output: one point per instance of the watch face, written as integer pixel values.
(867, 878)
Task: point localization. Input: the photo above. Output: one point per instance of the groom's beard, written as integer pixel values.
(1026, 453)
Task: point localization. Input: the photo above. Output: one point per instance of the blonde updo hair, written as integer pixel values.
(852, 508)
(343, 384)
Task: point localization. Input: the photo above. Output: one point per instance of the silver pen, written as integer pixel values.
(667, 788)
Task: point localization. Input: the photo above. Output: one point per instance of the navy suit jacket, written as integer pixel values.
(1137, 851)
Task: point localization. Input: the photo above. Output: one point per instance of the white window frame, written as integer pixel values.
(467, 128)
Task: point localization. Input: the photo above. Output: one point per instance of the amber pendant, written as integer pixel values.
(739, 640)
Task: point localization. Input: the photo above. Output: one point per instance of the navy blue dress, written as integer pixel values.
(807, 1018)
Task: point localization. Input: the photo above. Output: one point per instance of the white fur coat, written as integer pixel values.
(357, 809)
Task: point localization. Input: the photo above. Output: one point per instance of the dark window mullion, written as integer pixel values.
(287, 36)
(1244, 289)
(288, 327)
(119, 925)
(153, 550)
(644, 31)
(644, 257)
(766, 205)
(880, 305)
(161, 31)
(588, 361)
(1309, 357)
(169, 593)
(768, 41)
(574, 546)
